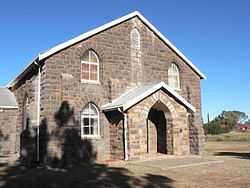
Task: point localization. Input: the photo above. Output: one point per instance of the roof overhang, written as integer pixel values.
(128, 100)
(46, 54)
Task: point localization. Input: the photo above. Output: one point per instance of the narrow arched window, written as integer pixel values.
(90, 120)
(90, 67)
(173, 76)
(25, 112)
(135, 39)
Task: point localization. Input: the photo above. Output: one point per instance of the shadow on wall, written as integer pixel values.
(3, 139)
(74, 150)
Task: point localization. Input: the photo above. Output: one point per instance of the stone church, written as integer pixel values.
(120, 91)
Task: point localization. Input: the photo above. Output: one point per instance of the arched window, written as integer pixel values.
(135, 39)
(90, 67)
(90, 120)
(25, 112)
(173, 76)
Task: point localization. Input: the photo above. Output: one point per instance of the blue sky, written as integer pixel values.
(213, 34)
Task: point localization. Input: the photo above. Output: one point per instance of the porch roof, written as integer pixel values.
(7, 98)
(139, 93)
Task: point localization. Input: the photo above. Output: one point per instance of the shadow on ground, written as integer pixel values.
(84, 175)
(234, 154)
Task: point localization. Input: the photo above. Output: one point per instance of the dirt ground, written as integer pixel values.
(233, 172)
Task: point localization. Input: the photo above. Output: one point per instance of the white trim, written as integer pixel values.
(89, 71)
(89, 116)
(106, 109)
(26, 69)
(155, 88)
(8, 107)
(127, 105)
(59, 47)
(83, 81)
(90, 136)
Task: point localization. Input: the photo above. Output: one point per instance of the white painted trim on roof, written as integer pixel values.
(111, 24)
(145, 94)
(83, 36)
(172, 46)
(152, 90)
(87, 34)
(8, 107)
(106, 108)
(26, 69)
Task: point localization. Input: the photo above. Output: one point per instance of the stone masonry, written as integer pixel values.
(61, 84)
(8, 121)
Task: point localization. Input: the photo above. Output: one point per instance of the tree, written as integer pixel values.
(234, 117)
(226, 122)
(247, 122)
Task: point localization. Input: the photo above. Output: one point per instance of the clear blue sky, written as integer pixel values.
(213, 34)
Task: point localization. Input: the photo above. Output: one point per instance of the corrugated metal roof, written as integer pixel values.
(7, 98)
(244, 126)
(137, 94)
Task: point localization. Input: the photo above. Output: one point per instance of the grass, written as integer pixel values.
(233, 172)
(230, 137)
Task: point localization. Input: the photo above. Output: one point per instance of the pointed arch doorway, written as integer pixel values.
(159, 130)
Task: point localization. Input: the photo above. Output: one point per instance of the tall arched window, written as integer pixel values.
(90, 67)
(173, 76)
(25, 112)
(90, 120)
(135, 39)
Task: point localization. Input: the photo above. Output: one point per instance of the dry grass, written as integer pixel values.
(230, 137)
(233, 172)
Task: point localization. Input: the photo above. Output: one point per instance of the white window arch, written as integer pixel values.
(135, 39)
(173, 76)
(90, 67)
(90, 121)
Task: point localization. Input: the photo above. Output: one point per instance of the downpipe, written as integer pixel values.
(38, 109)
(125, 134)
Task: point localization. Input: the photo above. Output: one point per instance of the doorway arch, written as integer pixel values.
(159, 129)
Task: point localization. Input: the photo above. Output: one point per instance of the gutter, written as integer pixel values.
(125, 134)
(38, 107)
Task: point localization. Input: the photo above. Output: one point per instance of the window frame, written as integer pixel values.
(138, 39)
(89, 116)
(89, 71)
(171, 76)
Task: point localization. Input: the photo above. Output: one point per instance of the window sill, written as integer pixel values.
(176, 89)
(94, 137)
(90, 82)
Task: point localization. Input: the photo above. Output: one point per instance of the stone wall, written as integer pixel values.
(177, 129)
(26, 95)
(116, 63)
(61, 82)
(8, 123)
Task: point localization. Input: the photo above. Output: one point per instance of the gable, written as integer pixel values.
(139, 93)
(48, 53)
